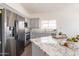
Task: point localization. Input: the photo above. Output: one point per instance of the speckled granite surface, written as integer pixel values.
(54, 49)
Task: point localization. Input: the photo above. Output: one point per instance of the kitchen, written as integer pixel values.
(45, 32)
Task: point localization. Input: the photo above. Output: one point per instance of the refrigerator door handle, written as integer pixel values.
(0, 42)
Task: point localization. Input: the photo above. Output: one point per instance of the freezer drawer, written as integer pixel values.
(19, 47)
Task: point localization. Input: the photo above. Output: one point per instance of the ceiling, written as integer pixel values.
(47, 7)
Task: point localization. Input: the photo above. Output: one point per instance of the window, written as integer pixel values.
(48, 24)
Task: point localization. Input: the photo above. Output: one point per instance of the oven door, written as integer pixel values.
(27, 38)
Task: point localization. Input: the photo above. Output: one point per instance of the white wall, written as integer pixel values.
(67, 19)
(68, 22)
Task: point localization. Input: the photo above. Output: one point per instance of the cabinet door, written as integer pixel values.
(11, 17)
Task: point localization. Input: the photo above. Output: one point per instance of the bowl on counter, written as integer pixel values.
(63, 36)
(73, 45)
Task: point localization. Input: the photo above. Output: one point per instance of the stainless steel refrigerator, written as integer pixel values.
(12, 44)
(19, 34)
(2, 31)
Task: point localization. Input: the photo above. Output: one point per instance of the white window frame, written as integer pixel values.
(49, 26)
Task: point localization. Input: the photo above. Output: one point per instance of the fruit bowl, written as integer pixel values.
(73, 45)
(60, 36)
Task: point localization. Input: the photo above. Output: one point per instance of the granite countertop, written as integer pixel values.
(51, 47)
